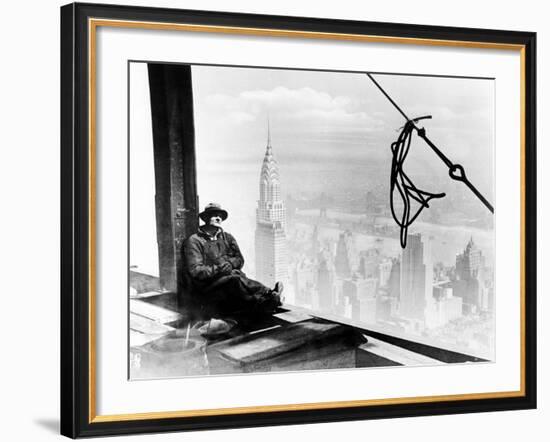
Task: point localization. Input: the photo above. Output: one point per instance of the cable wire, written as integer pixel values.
(401, 182)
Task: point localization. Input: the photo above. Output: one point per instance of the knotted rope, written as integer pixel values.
(400, 181)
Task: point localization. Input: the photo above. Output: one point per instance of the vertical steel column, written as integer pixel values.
(175, 171)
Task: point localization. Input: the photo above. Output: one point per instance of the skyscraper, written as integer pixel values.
(470, 262)
(394, 282)
(366, 296)
(304, 276)
(315, 243)
(384, 271)
(271, 250)
(469, 284)
(344, 255)
(416, 283)
(325, 283)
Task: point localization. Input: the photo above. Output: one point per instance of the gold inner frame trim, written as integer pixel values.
(93, 24)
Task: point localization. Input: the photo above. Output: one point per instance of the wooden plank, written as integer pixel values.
(153, 312)
(260, 346)
(148, 294)
(147, 326)
(396, 354)
(293, 316)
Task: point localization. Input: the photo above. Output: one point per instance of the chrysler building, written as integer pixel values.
(271, 251)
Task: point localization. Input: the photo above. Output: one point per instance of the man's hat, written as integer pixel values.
(212, 209)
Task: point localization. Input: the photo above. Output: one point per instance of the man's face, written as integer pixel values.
(215, 220)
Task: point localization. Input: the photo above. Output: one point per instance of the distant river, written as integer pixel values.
(447, 241)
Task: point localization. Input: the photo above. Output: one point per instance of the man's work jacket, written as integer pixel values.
(204, 254)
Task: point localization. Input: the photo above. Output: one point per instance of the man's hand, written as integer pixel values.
(225, 268)
(234, 262)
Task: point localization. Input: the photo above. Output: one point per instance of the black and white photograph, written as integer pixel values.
(283, 220)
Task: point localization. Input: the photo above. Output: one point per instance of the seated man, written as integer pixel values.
(213, 263)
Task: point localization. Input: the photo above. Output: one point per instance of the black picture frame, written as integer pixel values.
(77, 417)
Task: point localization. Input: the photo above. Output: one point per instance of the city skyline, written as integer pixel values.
(407, 292)
(423, 299)
(407, 295)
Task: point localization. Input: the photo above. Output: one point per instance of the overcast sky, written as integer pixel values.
(341, 118)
